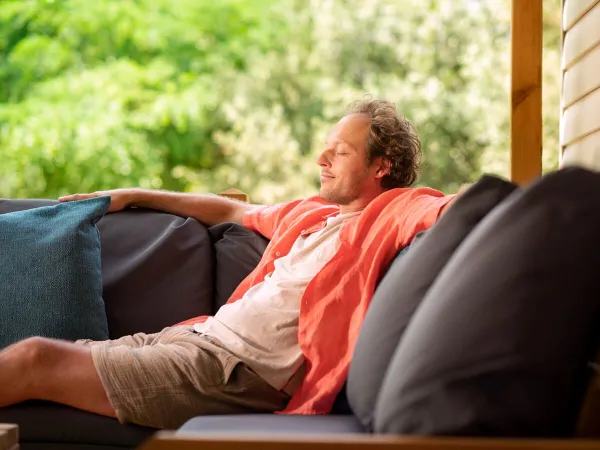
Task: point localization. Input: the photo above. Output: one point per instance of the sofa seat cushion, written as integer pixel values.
(270, 424)
(47, 423)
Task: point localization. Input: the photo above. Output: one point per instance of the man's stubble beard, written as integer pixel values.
(334, 196)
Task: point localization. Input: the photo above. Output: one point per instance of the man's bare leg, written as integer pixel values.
(48, 369)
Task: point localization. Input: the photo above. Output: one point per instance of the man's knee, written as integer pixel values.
(40, 359)
(33, 350)
(39, 352)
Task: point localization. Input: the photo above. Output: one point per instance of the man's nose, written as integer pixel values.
(322, 160)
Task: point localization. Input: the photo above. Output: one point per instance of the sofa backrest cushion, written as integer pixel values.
(237, 252)
(500, 343)
(405, 284)
(157, 268)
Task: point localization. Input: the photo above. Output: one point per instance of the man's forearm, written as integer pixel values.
(209, 209)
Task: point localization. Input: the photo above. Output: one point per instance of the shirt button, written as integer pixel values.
(277, 254)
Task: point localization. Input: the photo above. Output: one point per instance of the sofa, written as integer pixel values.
(468, 335)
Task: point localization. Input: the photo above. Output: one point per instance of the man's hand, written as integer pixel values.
(119, 198)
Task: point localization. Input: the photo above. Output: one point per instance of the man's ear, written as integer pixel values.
(383, 167)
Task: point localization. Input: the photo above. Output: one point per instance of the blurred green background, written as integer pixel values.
(204, 95)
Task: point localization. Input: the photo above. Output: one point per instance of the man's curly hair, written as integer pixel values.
(392, 137)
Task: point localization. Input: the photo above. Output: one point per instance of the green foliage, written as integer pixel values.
(199, 95)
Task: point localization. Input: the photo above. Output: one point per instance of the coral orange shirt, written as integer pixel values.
(336, 299)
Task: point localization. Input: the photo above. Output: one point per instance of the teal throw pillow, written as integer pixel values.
(50, 278)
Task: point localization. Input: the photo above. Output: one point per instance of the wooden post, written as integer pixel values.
(526, 90)
(561, 149)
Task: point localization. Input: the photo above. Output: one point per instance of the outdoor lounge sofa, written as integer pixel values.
(418, 369)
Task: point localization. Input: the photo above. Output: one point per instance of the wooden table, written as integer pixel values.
(9, 437)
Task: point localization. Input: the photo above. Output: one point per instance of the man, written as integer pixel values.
(286, 336)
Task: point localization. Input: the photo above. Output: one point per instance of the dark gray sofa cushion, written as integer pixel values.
(404, 286)
(270, 424)
(157, 268)
(237, 252)
(499, 344)
(45, 423)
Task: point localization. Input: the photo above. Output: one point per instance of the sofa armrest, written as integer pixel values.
(172, 441)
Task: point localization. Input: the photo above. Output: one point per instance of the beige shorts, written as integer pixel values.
(161, 380)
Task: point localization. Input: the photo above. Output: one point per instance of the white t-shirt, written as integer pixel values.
(262, 327)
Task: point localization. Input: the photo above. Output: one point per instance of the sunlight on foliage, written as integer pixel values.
(197, 95)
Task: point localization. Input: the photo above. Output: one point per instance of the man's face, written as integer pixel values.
(345, 173)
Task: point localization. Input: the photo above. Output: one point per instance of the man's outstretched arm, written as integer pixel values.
(207, 208)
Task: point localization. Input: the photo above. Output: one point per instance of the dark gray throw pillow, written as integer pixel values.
(237, 252)
(157, 268)
(499, 345)
(405, 285)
